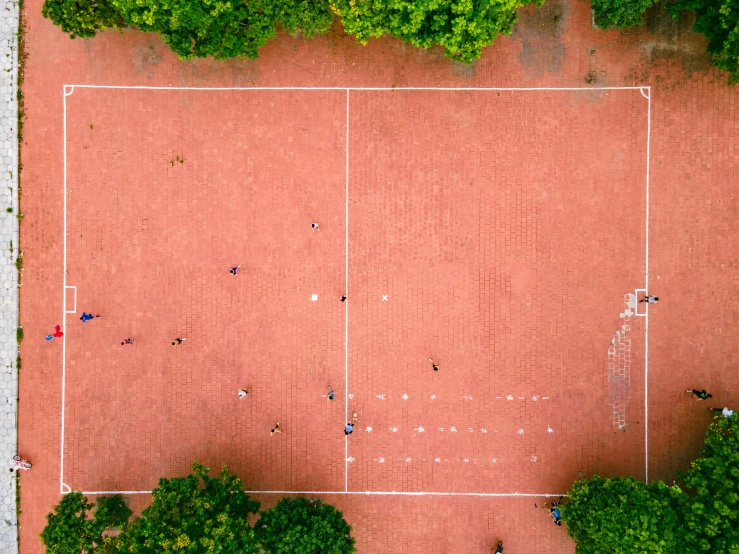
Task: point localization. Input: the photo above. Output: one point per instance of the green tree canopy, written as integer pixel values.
(719, 21)
(299, 526)
(620, 13)
(623, 515)
(221, 29)
(191, 515)
(70, 530)
(82, 18)
(462, 27)
(712, 518)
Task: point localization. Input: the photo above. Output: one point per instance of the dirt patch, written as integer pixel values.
(579, 97)
(540, 30)
(466, 70)
(145, 58)
(674, 38)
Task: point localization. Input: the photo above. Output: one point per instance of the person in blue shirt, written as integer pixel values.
(87, 317)
(349, 428)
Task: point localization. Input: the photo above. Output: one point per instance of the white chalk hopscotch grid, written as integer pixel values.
(68, 90)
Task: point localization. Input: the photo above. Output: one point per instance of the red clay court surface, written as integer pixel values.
(501, 232)
(448, 255)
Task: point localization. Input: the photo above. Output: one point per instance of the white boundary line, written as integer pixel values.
(361, 88)
(346, 307)
(641, 89)
(369, 493)
(64, 287)
(648, 96)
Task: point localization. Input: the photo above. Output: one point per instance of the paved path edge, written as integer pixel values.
(9, 347)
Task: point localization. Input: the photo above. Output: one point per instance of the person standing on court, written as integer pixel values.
(349, 428)
(652, 299)
(87, 317)
(699, 394)
(57, 333)
(726, 412)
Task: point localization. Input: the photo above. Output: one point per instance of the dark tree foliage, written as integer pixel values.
(711, 522)
(718, 20)
(191, 515)
(195, 28)
(71, 530)
(222, 30)
(462, 27)
(623, 515)
(111, 511)
(299, 526)
(620, 13)
(82, 18)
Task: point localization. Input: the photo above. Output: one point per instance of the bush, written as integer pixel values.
(712, 520)
(620, 13)
(70, 530)
(194, 28)
(623, 515)
(462, 27)
(299, 526)
(82, 18)
(193, 514)
(222, 30)
(718, 20)
(111, 511)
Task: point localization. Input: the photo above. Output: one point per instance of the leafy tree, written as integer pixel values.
(194, 28)
(462, 27)
(111, 511)
(70, 530)
(620, 13)
(193, 514)
(223, 29)
(719, 21)
(82, 18)
(624, 515)
(299, 526)
(712, 519)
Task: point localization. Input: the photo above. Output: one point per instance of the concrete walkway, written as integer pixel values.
(8, 273)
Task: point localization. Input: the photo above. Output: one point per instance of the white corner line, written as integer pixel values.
(646, 285)
(366, 493)
(65, 489)
(391, 89)
(64, 284)
(346, 304)
(68, 90)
